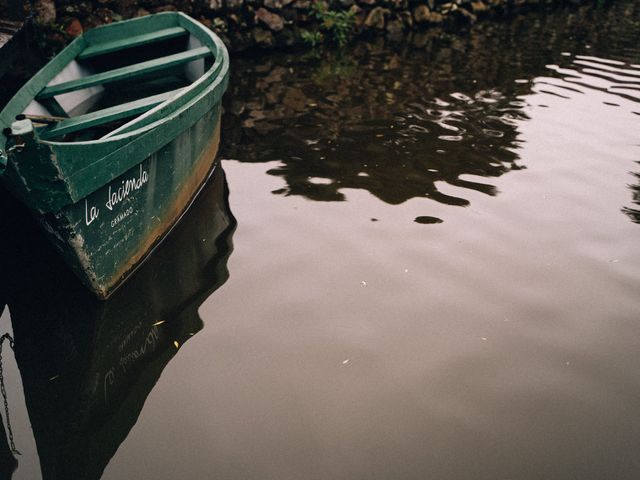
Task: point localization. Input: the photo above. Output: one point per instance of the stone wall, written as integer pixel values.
(245, 24)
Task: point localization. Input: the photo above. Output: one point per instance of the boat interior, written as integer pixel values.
(112, 82)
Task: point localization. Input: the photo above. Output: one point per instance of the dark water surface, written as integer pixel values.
(425, 266)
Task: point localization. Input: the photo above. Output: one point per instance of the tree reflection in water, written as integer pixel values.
(337, 125)
(397, 120)
(634, 213)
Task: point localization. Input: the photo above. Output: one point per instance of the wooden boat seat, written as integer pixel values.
(130, 72)
(130, 42)
(106, 115)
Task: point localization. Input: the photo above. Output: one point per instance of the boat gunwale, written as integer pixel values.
(217, 71)
(148, 128)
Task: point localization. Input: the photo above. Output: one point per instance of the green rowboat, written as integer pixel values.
(111, 141)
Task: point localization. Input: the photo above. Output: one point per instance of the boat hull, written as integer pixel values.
(106, 235)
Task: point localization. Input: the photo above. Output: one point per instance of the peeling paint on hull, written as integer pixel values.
(106, 236)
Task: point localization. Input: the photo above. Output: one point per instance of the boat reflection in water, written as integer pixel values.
(87, 366)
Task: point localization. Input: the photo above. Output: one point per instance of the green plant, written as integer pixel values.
(313, 39)
(335, 26)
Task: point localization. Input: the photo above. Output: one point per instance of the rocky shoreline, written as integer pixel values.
(268, 24)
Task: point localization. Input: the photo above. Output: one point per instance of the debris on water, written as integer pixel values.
(373, 219)
(614, 260)
(363, 283)
(425, 219)
(406, 270)
(160, 322)
(54, 377)
(484, 339)
(344, 362)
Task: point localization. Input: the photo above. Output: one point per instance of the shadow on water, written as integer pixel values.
(8, 462)
(399, 120)
(87, 366)
(634, 213)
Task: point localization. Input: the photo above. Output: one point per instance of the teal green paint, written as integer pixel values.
(86, 166)
(135, 41)
(133, 27)
(105, 115)
(219, 70)
(37, 163)
(130, 72)
(96, 172)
